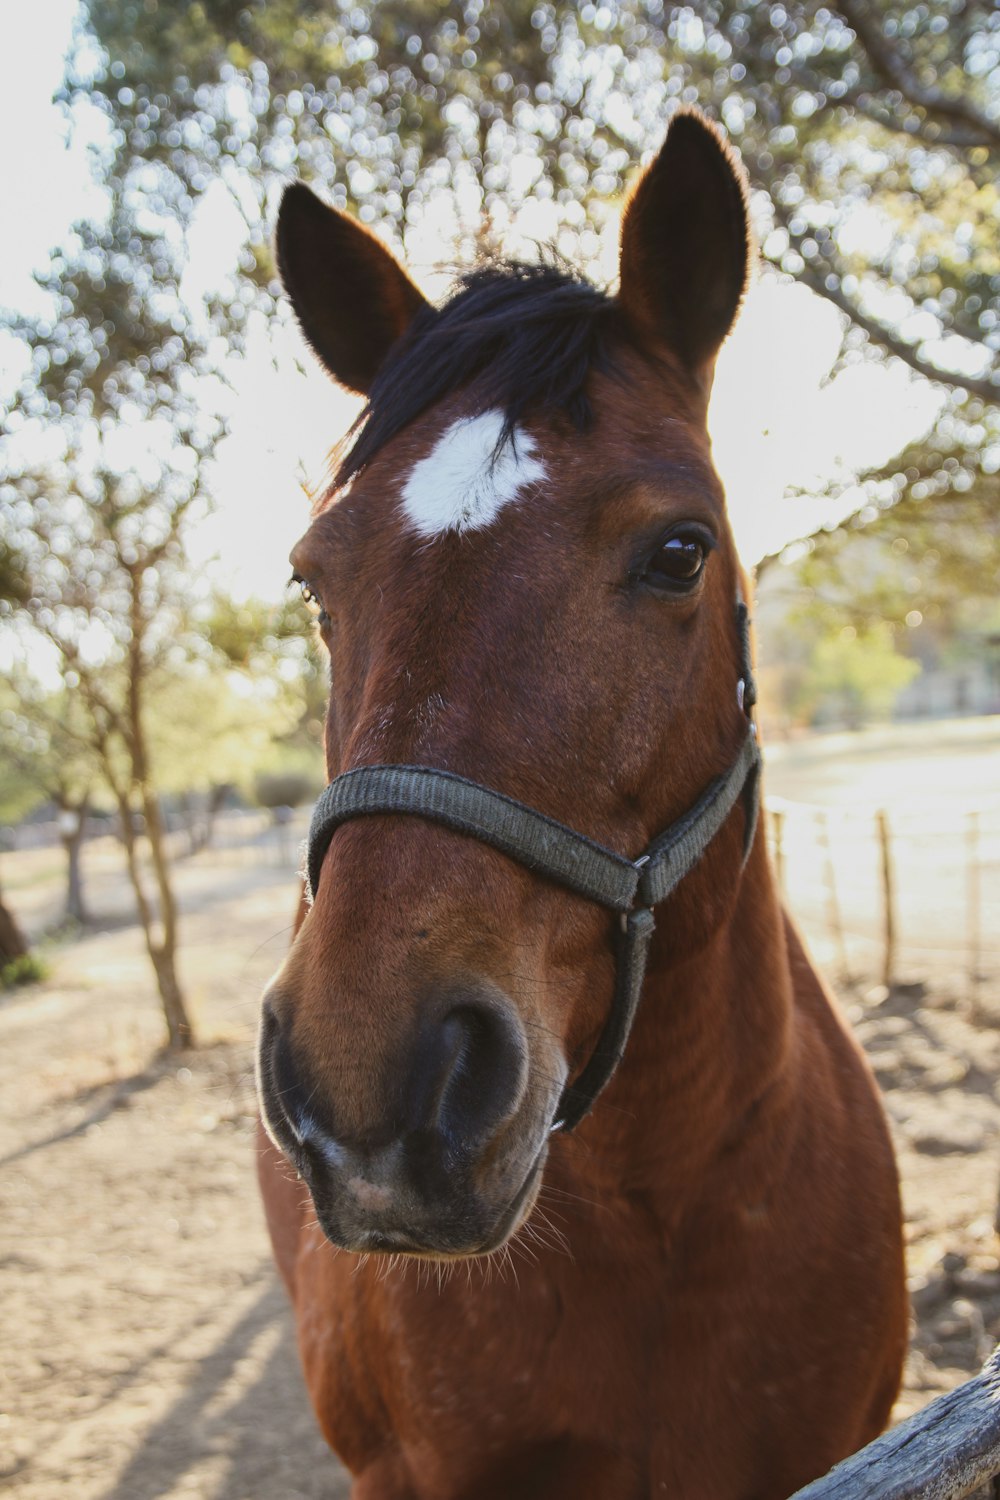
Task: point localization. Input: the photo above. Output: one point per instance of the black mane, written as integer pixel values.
(520, 336)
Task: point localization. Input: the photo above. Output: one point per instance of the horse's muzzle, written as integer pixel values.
(441, 1165)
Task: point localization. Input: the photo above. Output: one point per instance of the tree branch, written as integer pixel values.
(866, 103)
(987, 389)
(892, 68)
(830, 286)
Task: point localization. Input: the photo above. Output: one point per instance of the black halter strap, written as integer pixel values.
(551, 849)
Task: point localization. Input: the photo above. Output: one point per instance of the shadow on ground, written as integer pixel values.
(263, 1444)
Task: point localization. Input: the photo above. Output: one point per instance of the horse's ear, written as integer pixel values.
(352, 298)
(685, 249)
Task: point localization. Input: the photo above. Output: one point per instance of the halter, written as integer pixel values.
(549, 848)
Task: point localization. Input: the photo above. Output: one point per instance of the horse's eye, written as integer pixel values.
(310, 597)
(678, 563)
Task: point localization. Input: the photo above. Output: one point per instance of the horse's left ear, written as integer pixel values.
(685, 249)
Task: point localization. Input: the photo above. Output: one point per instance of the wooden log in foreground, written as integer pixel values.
(941, 1453)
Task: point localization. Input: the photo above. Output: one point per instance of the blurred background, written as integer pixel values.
(161, 691)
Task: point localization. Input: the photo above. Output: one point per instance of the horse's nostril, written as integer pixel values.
(482, 1071)
(285, 1094)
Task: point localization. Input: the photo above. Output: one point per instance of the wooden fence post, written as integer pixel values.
(941, 1453)
(830, 881)
(888, 899)
(972, 908)
(778, 832)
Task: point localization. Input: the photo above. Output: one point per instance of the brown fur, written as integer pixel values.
(706, 1298)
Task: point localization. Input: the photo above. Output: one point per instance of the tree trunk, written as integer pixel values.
(76, 910)
(216, 797)
(162, 952)
(12, 942)
(189, 818)
(179, 1028)
(180, 1035)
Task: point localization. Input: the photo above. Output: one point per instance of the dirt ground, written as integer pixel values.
(146, 1349)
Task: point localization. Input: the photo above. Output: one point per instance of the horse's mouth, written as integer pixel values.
(521, 1205)
(432, 1241)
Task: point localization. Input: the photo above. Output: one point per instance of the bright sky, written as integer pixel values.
(777, 420)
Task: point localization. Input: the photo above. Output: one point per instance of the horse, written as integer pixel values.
(576, 1178)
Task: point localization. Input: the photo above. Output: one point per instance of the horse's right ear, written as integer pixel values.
(352, 298)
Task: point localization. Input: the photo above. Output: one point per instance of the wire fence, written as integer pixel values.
(894, 895)
(885, 895)
(889, 895)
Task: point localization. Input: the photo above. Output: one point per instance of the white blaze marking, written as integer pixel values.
(464, 482)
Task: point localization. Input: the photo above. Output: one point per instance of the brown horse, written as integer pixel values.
(527, 585)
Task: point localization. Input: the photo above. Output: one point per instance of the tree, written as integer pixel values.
(922, 560)
(870, 128)
(121, 405)
(12, 941)
(214, 727)
(275, 648)
(102, 556)
(837, 673)
(872, 125)
(47, 758)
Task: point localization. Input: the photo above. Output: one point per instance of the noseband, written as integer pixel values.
(551, 849)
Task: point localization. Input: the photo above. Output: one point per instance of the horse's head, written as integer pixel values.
(525, 577)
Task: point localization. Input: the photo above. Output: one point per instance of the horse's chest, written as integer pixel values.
(469, 1383)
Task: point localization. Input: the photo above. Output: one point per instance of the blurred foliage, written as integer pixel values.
(13, 580)
(45, 753)
(914, 579)
(207, 730)
(837, 674)
(276, 789)
(929, 553)
(27, 969)
(277, 650)
(873, 105)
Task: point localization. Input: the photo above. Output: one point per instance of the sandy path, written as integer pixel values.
(147, 1348)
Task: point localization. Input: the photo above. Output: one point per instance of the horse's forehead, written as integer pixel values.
(474, 469)
(461, 473)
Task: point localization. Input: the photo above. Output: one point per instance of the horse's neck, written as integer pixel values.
(713, 1036)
